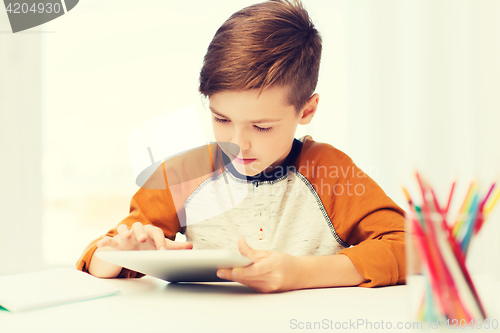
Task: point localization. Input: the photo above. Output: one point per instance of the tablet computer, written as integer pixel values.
(177, 265)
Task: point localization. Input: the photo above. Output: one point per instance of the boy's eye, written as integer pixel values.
(220, 120)
(263, 129)
(260, 129)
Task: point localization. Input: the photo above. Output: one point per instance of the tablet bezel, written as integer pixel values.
(177, 265)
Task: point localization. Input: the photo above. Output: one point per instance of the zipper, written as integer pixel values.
(255, 184)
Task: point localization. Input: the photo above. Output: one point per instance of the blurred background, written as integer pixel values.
(403, 85)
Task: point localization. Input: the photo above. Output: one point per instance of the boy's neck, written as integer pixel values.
(268, 174)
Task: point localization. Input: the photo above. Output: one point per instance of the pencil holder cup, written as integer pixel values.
(452, 272)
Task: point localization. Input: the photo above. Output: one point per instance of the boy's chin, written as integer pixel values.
(246, 170)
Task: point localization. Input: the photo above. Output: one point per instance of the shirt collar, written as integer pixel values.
(274, 174)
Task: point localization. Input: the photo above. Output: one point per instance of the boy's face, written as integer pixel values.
(263, 127)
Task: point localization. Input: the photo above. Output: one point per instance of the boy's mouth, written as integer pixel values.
(242, 160)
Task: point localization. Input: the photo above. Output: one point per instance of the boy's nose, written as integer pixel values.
(242, 142)
(243, 145)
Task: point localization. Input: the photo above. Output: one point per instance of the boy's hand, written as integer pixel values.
(141, 237)
(271, 271)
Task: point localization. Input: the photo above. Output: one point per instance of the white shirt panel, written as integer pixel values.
(282, 215)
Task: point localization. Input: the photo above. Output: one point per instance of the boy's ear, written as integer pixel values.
(308, 111)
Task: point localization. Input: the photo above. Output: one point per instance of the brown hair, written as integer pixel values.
(268, 43)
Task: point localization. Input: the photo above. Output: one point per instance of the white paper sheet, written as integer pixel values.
(27, 291)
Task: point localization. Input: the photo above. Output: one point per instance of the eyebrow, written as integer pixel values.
(267, 120)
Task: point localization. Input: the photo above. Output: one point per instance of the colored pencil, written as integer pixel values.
(460, 261)
(447, 209)
(490, 206)
(481, 213)
(444, 252)
(488, 194)
(468, 227)
(408, 198)
(424, 192)
(424, 253)
(442, 256)
(464, 209)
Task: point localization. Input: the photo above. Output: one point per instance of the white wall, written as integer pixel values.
(403, 84)
(20, 151)
(415, 85)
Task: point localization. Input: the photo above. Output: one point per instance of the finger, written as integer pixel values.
(105, 241)
(157, 235)
(124, 231)
(249, 252)
(139, 233)
(171, 245)
(255, 270)
(116, 242)
(110, 241)
(238, 274)
(244, 247)
(225, 273)
(259, 270)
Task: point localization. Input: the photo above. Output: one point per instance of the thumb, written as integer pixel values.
(243, 246)
(246, 250)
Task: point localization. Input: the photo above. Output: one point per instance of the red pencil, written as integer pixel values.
(423, 189)
(449, 198)
(480, 216)
(460, 259)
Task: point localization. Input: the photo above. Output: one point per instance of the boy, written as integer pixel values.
(302, 210)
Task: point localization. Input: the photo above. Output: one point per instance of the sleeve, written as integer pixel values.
(378, 250)
(373, 225)
(152, 204)
(363, 216)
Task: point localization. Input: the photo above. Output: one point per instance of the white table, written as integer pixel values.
(152, 305)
